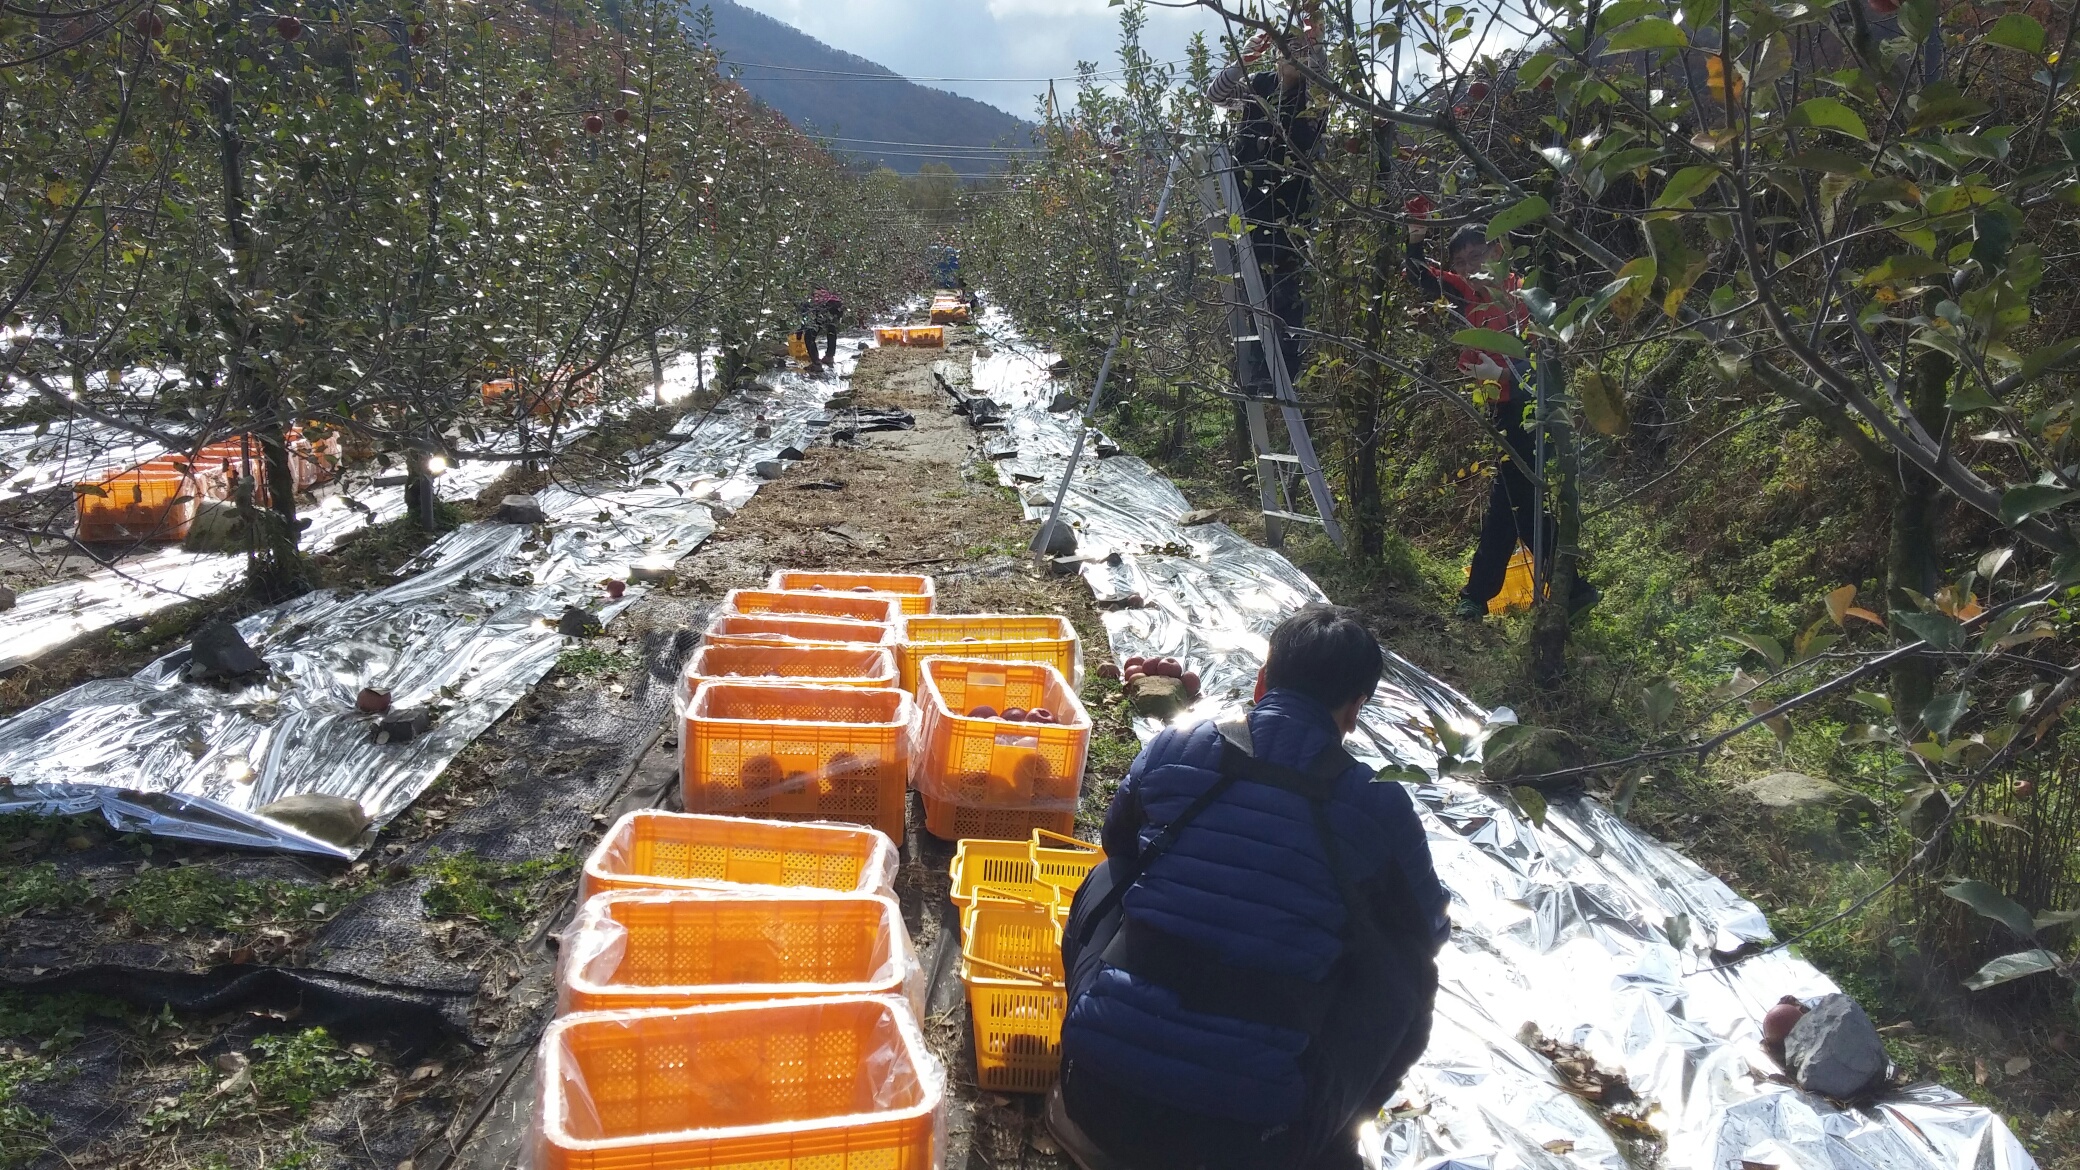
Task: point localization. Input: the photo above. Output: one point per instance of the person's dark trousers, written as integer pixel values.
(1512, 507)
(1280, 260)
(830, 341)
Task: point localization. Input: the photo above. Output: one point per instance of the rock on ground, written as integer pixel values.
(1836, 1050)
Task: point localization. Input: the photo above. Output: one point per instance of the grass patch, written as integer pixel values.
(197, 897)
(285, 1077)
(588, 661)
(23, 1131)
(502, 897)
(37, 889)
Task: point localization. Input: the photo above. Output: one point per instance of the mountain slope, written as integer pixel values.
(851, 108)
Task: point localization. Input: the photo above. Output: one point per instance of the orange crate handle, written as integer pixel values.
(1071, 842)
(1014, 972)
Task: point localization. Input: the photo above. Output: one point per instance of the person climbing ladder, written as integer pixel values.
(1478, 284)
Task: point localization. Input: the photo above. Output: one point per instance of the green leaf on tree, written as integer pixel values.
(1517, 215)
(1761, 644)
(2018, 32)
(2031, 499)
(1832, 162)
(1603, 404)
(2011, 967)
(1651, 32)
(1991, 903)
(2036, 361)
(1491, 340)
(1942, 712)
(1939, 630)
(1685, 185)
(1825, 113)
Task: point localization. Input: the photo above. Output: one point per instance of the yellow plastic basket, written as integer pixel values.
(1062, 862)
(999, 865)
(1011, 964)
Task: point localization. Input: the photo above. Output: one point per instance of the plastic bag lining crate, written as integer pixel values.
(836, 666)
(1011, 963)
(784, 629)
(797, 752)
(917, 592)
(851, 607)
(998, 637)
(653, 849)
(995, 777)
(653, 948)
(817, 1084)
(138, 505)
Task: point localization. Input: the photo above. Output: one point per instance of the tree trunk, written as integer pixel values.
(274, 566)
(1551, 619)
(1913, 554)
(656, 368)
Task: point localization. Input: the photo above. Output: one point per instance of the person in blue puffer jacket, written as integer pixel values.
(1253, 969)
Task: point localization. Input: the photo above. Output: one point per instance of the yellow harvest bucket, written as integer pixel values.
(1517, 592)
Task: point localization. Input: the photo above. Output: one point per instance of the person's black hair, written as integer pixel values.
(1469, 235)
(1326, 653)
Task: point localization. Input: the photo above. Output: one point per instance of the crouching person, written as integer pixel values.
(1252, 970)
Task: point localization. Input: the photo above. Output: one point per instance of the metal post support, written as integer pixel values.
(1044, 538)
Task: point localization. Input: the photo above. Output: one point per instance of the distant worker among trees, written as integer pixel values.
(822, 314)
(1476, 281)
(1275, 141)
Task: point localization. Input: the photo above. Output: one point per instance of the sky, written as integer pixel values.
(1021, 39)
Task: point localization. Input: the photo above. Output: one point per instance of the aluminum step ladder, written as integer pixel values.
(1260, 366)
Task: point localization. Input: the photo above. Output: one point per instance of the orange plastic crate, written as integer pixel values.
(811, 1084)
(832, 666)
(652, 849)
(155, 504)
(795, 752)
(927, 336)
(1011, 962)
(1000, 637)
(995, 777)
(916, 591)
(649, 948)
(889, 336)
(738, 629)
(851, 607)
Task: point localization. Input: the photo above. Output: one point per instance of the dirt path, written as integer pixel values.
(924, 501)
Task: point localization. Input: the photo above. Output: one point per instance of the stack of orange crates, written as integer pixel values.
(154, 502)
(737, 991)
(791, 708)
(158, 499)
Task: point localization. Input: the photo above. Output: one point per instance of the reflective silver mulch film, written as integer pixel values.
(469, 631)
(159, 579)
(1583, 930)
